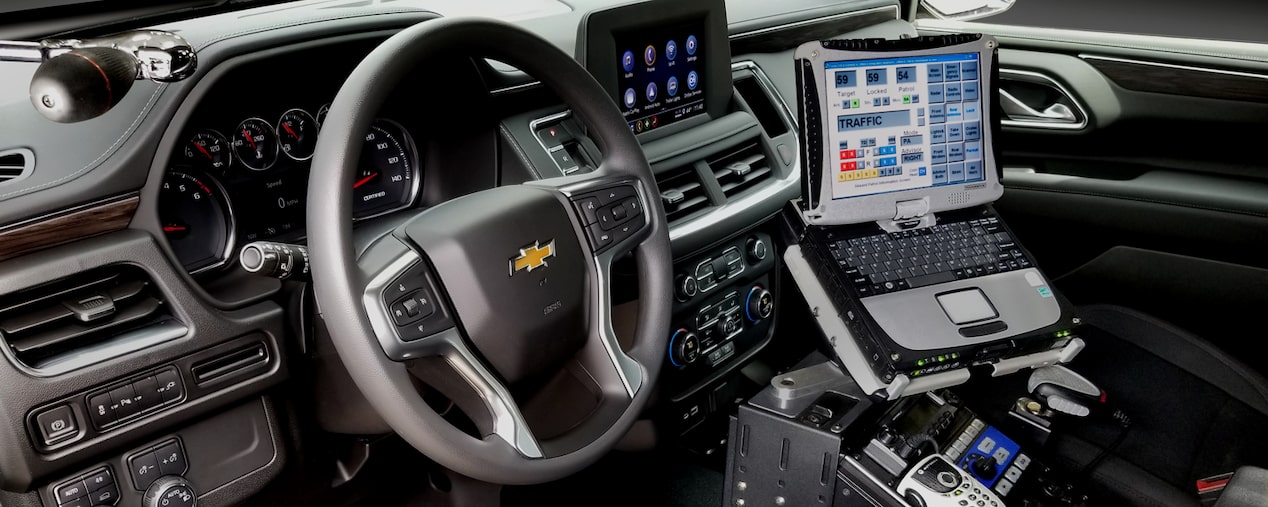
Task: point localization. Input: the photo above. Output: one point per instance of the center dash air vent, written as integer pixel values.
(46, 323)
(681, 192)
(15, 164)
(740, 169)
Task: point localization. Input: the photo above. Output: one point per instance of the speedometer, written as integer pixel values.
(387, 175)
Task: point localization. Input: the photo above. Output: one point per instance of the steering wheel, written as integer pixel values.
(496, 287)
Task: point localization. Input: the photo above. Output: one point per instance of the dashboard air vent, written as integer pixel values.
(15, 164)
(681, 192)
(69, 316)
(761, 106)
(740, 169)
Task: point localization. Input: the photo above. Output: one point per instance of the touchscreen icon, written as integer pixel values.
(692, 80)
(627, 61)
(630, 97)
(691, 44)
(651, 92)
(672, 86)
(671, 50)
(649, 55)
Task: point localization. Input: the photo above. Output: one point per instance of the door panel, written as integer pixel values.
(1161, 202)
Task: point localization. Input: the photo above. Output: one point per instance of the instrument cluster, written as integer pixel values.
(234, 184)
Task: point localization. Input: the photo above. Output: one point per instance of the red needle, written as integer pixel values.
(291, 132)
(172, 228)
(249, 140)
(204, 150)
(363, 181)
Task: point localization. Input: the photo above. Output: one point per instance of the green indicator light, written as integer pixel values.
(920, 362)
(942, 358)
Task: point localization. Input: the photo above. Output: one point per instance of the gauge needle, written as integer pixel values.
(363, 181)
(172, 228)
(249, 140)
(289, 131)
(204, 150)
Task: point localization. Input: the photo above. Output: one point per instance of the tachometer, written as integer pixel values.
(208, 149)
(255, 144)
(387, 179)
(297, 134)
(196, 219)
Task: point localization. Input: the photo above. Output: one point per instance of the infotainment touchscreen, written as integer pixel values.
(904, 123)
(661, 74)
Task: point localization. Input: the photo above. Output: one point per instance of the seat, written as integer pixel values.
(1196, 411)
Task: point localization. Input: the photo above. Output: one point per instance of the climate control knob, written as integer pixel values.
(685, 287)
(684, 347)
(760, 304)
(756, 249)
(170, 491)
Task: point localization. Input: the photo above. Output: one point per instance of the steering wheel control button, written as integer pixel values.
(72, 490)
(588, 207)
(413, 308)
(171, 458)
(56, 424)
(170, 491)
(144, 469)
(599, 238)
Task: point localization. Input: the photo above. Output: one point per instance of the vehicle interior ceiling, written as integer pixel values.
(201, 299)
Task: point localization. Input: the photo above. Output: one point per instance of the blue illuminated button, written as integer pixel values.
(938, 154)
(937, 113)
(973, 150)
(953, 92)
(955, 173)
(972, 131)
(955, 132)
(951, 72)
(972, 111)
(969, 90)
(939, 174)
(651, 92)
(955, 152)
(968, 71)
(887, 150)
(935, 73)
(630, 97)
(627, 61)
(691, 44)
(973, 170)
(692, 79)
(922, 171)
(935, 94)
(887, 162)
(938, 134)
(953, 112)
(649, 55)
(671, 87)
(671, 50)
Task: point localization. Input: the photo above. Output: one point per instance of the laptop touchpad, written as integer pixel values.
(967, 306)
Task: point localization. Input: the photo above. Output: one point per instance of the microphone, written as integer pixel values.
(81, 79)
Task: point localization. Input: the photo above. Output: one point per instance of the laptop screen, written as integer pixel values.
(904, 123)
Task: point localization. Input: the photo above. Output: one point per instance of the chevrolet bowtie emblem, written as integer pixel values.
(532, 257)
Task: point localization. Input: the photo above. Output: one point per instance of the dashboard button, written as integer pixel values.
(146, 393)
(144, 469)
(553, 136)
(123, 398)
(171, 458)
(169, 385)
(70, 491)
(56, 424)
(564, 159)
(100, 410)
(99, 479)
(107, 495)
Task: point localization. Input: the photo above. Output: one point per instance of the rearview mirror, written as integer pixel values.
(963, 10)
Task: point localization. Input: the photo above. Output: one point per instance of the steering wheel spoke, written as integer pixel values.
(404, 304)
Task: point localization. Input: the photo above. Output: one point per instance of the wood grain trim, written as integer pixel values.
(1180, 80)
(65, 227)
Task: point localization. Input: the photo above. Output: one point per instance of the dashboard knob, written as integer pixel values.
(684, 347)
(756, 249)
(277, 260)
(685, 287)
(760, 304)
(170, 491)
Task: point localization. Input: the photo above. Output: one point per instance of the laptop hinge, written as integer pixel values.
(908, 210)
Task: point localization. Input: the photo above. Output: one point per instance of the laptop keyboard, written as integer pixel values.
(945, 252)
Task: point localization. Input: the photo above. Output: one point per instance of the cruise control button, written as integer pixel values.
(70, 491)
(146, 393)
(100, 410)
(144, 469)
(56, 424)
(171, 458)
(619, 212)
(413, 308)
(624, 231)
(99, 479)
(169, 385)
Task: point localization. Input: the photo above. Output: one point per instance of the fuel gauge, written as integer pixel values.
(297, 134)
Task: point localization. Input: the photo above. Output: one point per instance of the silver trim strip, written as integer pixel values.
(1045, 80)
(1174, 66)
